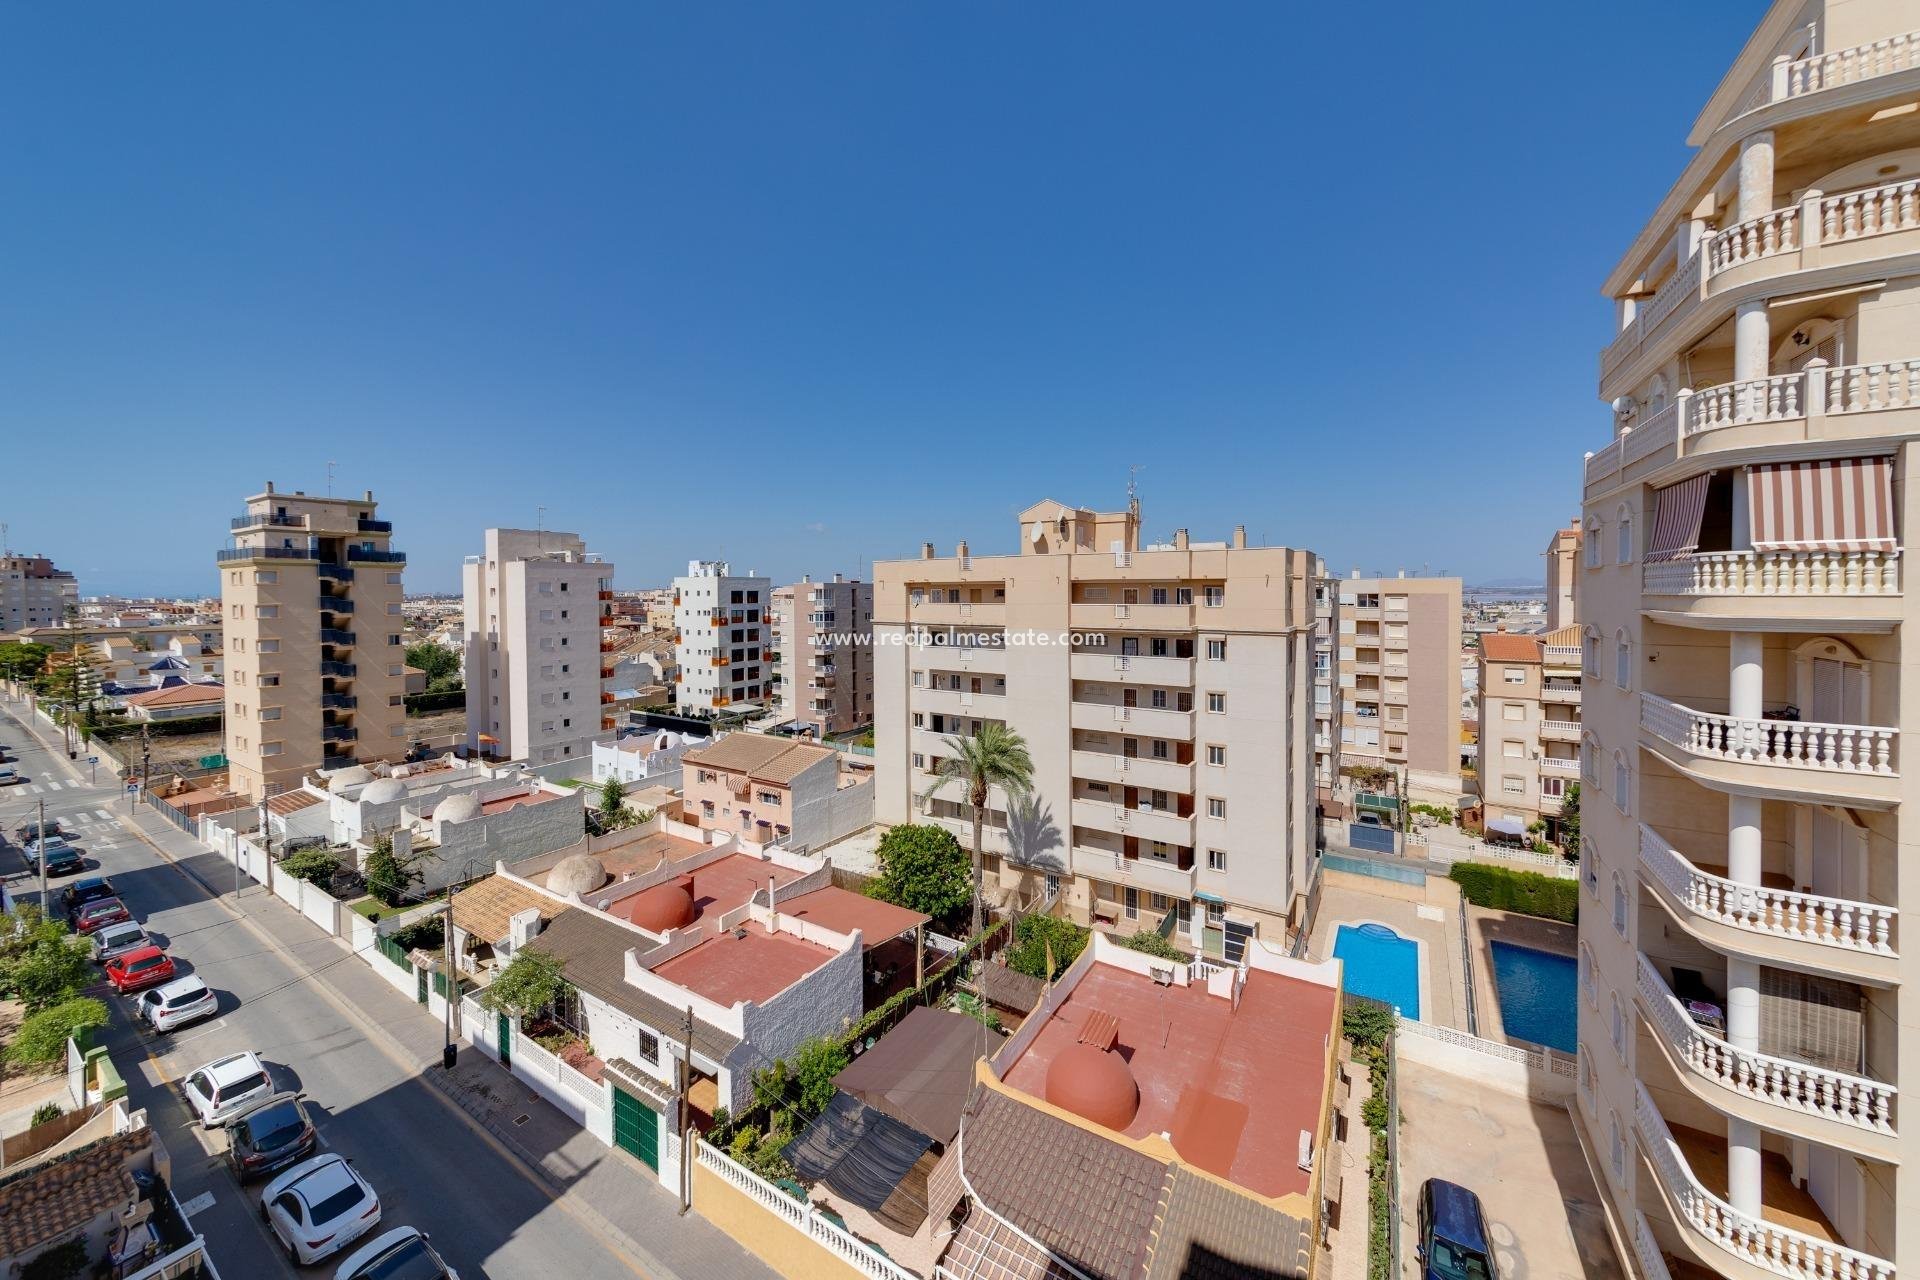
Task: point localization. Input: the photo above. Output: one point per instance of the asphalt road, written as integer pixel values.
(433, 1168)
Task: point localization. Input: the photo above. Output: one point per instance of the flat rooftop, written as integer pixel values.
(843, 911)
(746, 964)
(1232, 1087)
(500, 804)
(718, 887)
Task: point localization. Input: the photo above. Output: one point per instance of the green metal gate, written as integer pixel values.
(504, 1028)
(636, 1129)
(420, 985)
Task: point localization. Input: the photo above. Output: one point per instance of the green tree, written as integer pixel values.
(532, 980)
(315, 866)
(390, 877)
(994, 757)
(1037, 937)
(22, 659)
(1570, 821)
(816, 1062)
(924, 869)
(441, 664)
(43, 1037)
(41, 962)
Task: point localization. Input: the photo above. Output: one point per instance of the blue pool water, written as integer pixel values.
(1535, 990)
(1381, 965)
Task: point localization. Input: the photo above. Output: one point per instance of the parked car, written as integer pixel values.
(319, 1207)
(139, 969)
(9, 775)
(269, 1135)
(181, 1001)
(1368, 818)
(81, 892)
(1454, 1243)
(118, 939)
(40, 847)
(28, 830)
(101, 911)
(400, 1254)
(226, 1086)
(64, 860)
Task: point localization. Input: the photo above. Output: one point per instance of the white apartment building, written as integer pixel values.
(33, 593)
(1748, 809)
(534, 602)
(1164, 693)
(1327, 701)
(721, 628)
(1399, 668)
(823, 641)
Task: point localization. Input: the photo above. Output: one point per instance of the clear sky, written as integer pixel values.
(806, 284)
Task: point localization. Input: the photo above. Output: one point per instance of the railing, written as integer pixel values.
(1775, 231)
(800, 1215)
(1754, 400)
(1780, 913)
(1854, 1101)
(1865, 388)
(265, 553)
(376, 557)
(1561, 726)
(1775, 573)
(1844, 66)
(336, 572)
(345, 670)
(1605, 461)
(1829, 748)
(1646, 1250)
(1658, 432)
(267, 518)
(339, 733)
(1752, 1239)
(1562, 764)
(1855, 215)
(1538, 1057)
(339, 701)
(376, 526)
(332, 635)
(336, 604)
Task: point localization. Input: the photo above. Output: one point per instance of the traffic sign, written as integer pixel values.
(93, 759)
(132, 787)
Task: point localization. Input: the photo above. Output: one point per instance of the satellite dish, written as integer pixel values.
(1624, 406)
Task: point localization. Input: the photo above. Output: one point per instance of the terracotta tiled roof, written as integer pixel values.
(1211, 1232)
(51, 1199)
(291, 802)
(485, 909)
(594, 951)
(178, 695)
(1498, 646)
(761, 758)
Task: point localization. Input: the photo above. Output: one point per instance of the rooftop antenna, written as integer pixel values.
(330, 466)
(4, 549)
(1133, 490)
(540, 526)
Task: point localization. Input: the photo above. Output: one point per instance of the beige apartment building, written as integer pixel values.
(823, 645)
(311, 595)
(1399, 677)
(1529, 728)
(1749, 815)
(537, 673)
(34, 593)
(1563, 578)
(1164, 694)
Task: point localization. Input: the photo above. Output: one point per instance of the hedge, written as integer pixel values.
(419, 704)
(1527, 892)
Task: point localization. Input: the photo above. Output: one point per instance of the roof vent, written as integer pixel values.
(741, 933)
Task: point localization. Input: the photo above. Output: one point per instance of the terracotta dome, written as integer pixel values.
(351, 776)
(577, 873)
(384, 791)
(664, 907)
(1094, 1084)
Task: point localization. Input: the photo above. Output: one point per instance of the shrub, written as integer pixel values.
(388, 877)
(1366, 1022)
(1031, 940)
(41, 962)
(47, 1111)
(924, 869)
(62, 1262)
(529, 983)
(315, 866)
(42, 1038)
(429, 934)
(1527, 892)
(816, 1062)
(419, 704)
(1150, 942)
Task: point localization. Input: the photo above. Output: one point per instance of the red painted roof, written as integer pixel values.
(732, 968)
(843, 911)
(718, 887)
(1233, 1087)
(500, 804)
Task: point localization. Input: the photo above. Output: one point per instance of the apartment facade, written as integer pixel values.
(1163, 693)
(1563, 577)
(823, 638)
(536, 677)
(1399, 666)
(721, 630)
(1529, 729)
(33, 593)
(311, 594)
(1327, 701)
(1747, 807)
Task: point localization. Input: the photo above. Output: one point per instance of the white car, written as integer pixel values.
(177, 1003)
(225, 1087)
(9, 775)
(400, 1254)
(319, 1207)
(118, 939)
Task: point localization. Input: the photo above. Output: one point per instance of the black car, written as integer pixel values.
(81, 892)
(269, 1135)
(31, 830)
(1454, 1242)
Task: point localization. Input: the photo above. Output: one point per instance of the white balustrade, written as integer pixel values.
(1780, 913)
(802, 1217)
(1681, 286)
(1750, 1238)
(1775, 231)
(1604, 462)
(1828, 748)
(1755, 400)
(1561, 764)
(1865, 388)
(1854, 215)
(1844, 66)
(1854, 1101)
(1646, 1250)
(1659, 431)
(1775, 573)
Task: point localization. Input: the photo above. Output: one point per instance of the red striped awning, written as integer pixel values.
(1676, 519)
(1841, 505)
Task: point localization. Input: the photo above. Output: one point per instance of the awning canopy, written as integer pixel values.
(1676, 519)
(919, 1072)
(1507, 827)
(1838, 505)
(860, 1153)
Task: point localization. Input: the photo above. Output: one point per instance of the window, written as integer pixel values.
(1513, 749)
(649, 1046)
(1216, 859)
(394, 608)
(1592, 541)
(1622, 660)
(1590, 656)
(269, 646)
(1513, 711)
(272, 748)
(1514, 675)
(1216, 807)
(267, 611)
(1617, 1025)
(266, 577)
(1216, 754)
(769, 797)
(1216, 651)
(1586, 976)
(1513, 786)
(393, 579)
(1623, 537)
(1217, 702)
(1586, 1079)
(1616, 1147)
(1619, 906)
(270, 713)
(1622, 783)
(1589, 870)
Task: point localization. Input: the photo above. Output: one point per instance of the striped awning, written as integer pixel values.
(1676, 519)
(1842, 505)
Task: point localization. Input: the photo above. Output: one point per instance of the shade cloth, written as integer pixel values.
(921, 1071)
(1838, 505)
(1676, 519)
(858, 1152)
(1507, 827)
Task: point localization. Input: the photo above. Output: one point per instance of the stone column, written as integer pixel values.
(1752, 346)
(1756, 176)
(1744, 700)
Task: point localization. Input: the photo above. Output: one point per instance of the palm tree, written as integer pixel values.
(994, 757)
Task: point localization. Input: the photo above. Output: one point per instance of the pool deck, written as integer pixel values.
(1433, 923)
(1484, 928)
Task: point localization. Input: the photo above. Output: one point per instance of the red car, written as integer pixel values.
(140, 968)
(102, 912)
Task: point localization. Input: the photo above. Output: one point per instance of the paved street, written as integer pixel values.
(327, 1025)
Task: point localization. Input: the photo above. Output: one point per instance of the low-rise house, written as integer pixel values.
(650, 756)
(176, 702)
(772, 790)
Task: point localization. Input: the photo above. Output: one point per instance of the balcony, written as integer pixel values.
(1829, 1107)
(339, 733)
(1560, 731)
(333, 635)
(376, 526)
(344, 670)
(606, 673)
(938, 613)
(1788, 758)
(335, 572)
(1145, 772)
(605, 595)
(339, 701)
(1146, 824)
(1736, 1244)
(988, 659)
(266, 520)
(235, 554)
(610, 646)
(1861, 588)
(1568, 765)
(1778, 925)
(1119, 668)
(607, 698)
(1143, 722)
(1097, 618)
(1147, 875)
(336, 604)
(367, 556)
(717, 661)
(961, 702)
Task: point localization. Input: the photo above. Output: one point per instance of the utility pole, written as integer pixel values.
(41, 833)
(146, 762)
(449, 1053)
(686, 1082)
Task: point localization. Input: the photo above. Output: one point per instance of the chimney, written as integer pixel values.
(369, 497)
(1239, 536)
(269, 486)
(926, 551)
(1402, 573)
(839, 577)
(806, 579)
(961, 550)
(1179, 539)
(771, 883)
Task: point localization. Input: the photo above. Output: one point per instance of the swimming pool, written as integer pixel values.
(1535, 991)
(1381, 964)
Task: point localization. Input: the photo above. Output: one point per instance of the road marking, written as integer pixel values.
(202, 1201)
(103, 815)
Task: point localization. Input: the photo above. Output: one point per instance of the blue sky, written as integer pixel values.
(806, 284)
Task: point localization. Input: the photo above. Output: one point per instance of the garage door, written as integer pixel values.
(636, 1129)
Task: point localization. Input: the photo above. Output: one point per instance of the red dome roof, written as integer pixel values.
(664, 907)
(1094, 1084)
